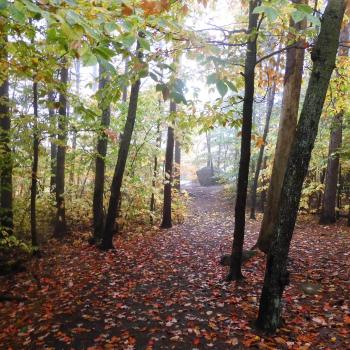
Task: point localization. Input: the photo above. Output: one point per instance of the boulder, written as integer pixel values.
(206, 177)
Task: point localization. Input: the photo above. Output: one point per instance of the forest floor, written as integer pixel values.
(164, 289)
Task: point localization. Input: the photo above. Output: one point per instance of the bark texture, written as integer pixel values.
(6, 163)
(101, 150)
(177, 175)
(34, 186)
(288, 122)
(242, 185)
(53, 145)
(155, 174)
(107, 237)
(328, 212)
(169, 156)
(276, 275)
(60, 224)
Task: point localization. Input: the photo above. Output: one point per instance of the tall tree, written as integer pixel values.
(74, 129)
(209, 154)
(155, 172)
(177, 175)
(53, 142)
(107, 237)
(60, 223)
(169, 156)
(288, 121)
(276, 275)
(242, 184)
(269, 106)
(328, 212)
(100, 166)
(35, 162)
(6, 164)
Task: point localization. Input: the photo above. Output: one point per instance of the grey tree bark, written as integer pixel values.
(286, 131)
(276, 275)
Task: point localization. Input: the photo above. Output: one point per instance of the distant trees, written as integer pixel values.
(328, 211)
(276, 275)
(269, 106)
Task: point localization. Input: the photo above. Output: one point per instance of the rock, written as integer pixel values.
(205, 177)
(310, 288)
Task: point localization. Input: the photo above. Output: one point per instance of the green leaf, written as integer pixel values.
(259, 9)
(104, 52)
(270, 12)
(128, 40)
(231, 86)
(153, 76)
(16, 14)
(304, 8)
(88, 58)
(212, 78)
(298, 16)
(222, 87)
(51, 34)
(32, 7)
(144, 44)
(111, 27)
(179, 85)
(178, 98)
(314, 20)
(164, 89)
(3, 4)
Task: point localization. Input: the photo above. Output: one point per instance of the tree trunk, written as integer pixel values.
(270, 103)
(155, 174)
(74, 130)
(243, 173)
(328, 213)
(34, 186)
(288, 121)
(53, 145)
(263, 192)
(323, 56)
(209, 155)
(60, 224)
(125, 87)
(107, 239)
(169, 154)
(100, 166)
(177, 175)
(6, 164)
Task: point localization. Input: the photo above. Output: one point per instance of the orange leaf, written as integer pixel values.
(346, 319)
(126, 10)
(196, 341)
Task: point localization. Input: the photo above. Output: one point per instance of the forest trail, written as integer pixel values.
(164, 289)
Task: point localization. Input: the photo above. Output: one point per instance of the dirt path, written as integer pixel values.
(164, 289)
